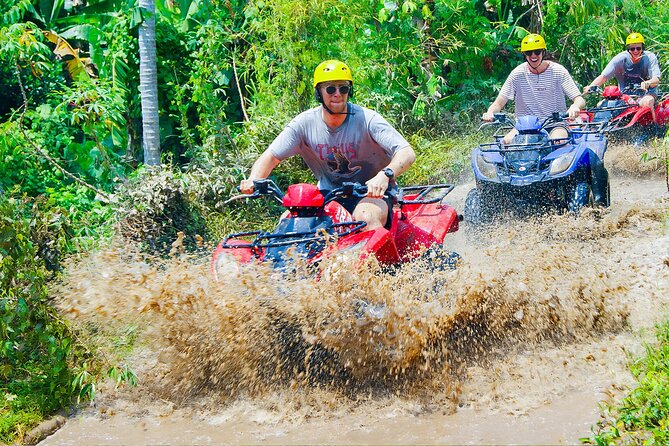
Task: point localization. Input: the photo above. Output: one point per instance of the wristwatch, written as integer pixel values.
(389, 173)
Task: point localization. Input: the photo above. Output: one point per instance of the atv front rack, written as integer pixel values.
(423, 192)
(525, 147)
(609, 109)
(588, 128)
(289, 238)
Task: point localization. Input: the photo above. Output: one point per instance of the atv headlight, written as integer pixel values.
(488, 170)
(561, 163)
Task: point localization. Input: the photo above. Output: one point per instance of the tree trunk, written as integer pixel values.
(148, 84)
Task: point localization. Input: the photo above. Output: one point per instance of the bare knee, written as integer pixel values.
(373, 211)
(559, 133)
(647, 101)
(509, 136)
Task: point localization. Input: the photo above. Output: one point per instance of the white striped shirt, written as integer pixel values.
(539, 94)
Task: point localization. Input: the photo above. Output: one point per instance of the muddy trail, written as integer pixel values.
(518, 345)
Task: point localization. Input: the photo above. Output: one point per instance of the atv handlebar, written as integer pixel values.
(634, 90)
(266, 187)
(261, 188)
(498, 119)
(347, 189)
(594, 89)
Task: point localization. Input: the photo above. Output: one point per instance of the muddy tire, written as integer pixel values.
(607, 203)
(440, 259)
(476, 212)
(578, 197)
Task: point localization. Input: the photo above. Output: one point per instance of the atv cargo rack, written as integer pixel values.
(422, 192)
(289, 238)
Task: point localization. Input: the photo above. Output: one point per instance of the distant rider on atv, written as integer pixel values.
(538, 87)
(635, 65)
(342, 142)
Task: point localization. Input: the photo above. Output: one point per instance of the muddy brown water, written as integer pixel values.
(519, 345)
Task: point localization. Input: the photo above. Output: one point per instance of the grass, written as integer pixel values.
(440, 160)
(642, 417)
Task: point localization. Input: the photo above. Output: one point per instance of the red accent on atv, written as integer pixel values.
(612, 92)
(303, 195)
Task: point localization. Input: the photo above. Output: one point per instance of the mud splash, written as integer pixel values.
(516, 346)
(415, 332)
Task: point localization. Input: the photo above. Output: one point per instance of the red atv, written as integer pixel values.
(623, 118)
(314, 225)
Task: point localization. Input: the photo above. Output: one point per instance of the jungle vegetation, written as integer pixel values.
(85, 157)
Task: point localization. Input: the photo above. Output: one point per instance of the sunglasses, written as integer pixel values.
(343, 89)
(634, 48)
(535, 52)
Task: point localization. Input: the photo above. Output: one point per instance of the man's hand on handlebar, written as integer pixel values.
(377, 186)
(574, 111)
(488, 117)
(246, 186)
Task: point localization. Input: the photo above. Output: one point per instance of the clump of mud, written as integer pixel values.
(648, 159)
(356, 329)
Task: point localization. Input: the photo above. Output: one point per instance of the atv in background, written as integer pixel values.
(315, 225)
(624, 120)
(613, 103)
(536, 173)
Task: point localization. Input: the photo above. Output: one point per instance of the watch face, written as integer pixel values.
(389, 172)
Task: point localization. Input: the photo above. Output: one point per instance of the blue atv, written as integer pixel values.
(535, 173)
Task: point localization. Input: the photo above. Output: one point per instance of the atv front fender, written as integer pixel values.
(643, 116)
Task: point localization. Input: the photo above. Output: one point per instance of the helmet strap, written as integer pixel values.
(347, 112)
(536, 69)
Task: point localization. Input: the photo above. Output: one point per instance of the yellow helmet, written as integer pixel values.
(634, 38)
(332, 70)
(532, 42)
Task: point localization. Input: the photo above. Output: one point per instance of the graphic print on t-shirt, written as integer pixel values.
(339, 164)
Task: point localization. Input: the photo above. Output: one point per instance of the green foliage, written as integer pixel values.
(180, 117)
(440, 160)
(154, 206)
(94, 110)
(586, 35)
(13, 11)
(43, 365)
(37, 348)
(22, 45)
(643, 416)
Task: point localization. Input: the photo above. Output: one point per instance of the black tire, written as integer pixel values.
(578, 197)
(440, 259)
(476, 212)
(436, 259)
(608, 194)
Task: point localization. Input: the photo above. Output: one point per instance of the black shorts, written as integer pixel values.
(652, 92)
(350, 203)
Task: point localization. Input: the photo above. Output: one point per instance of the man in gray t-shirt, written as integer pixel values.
(538, 87)
(341, 142)
(633, 66)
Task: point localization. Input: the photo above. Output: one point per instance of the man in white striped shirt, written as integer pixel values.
(538, 87)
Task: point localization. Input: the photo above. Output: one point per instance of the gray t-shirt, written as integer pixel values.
(542, 94)
(355, 151)
(628, 73)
